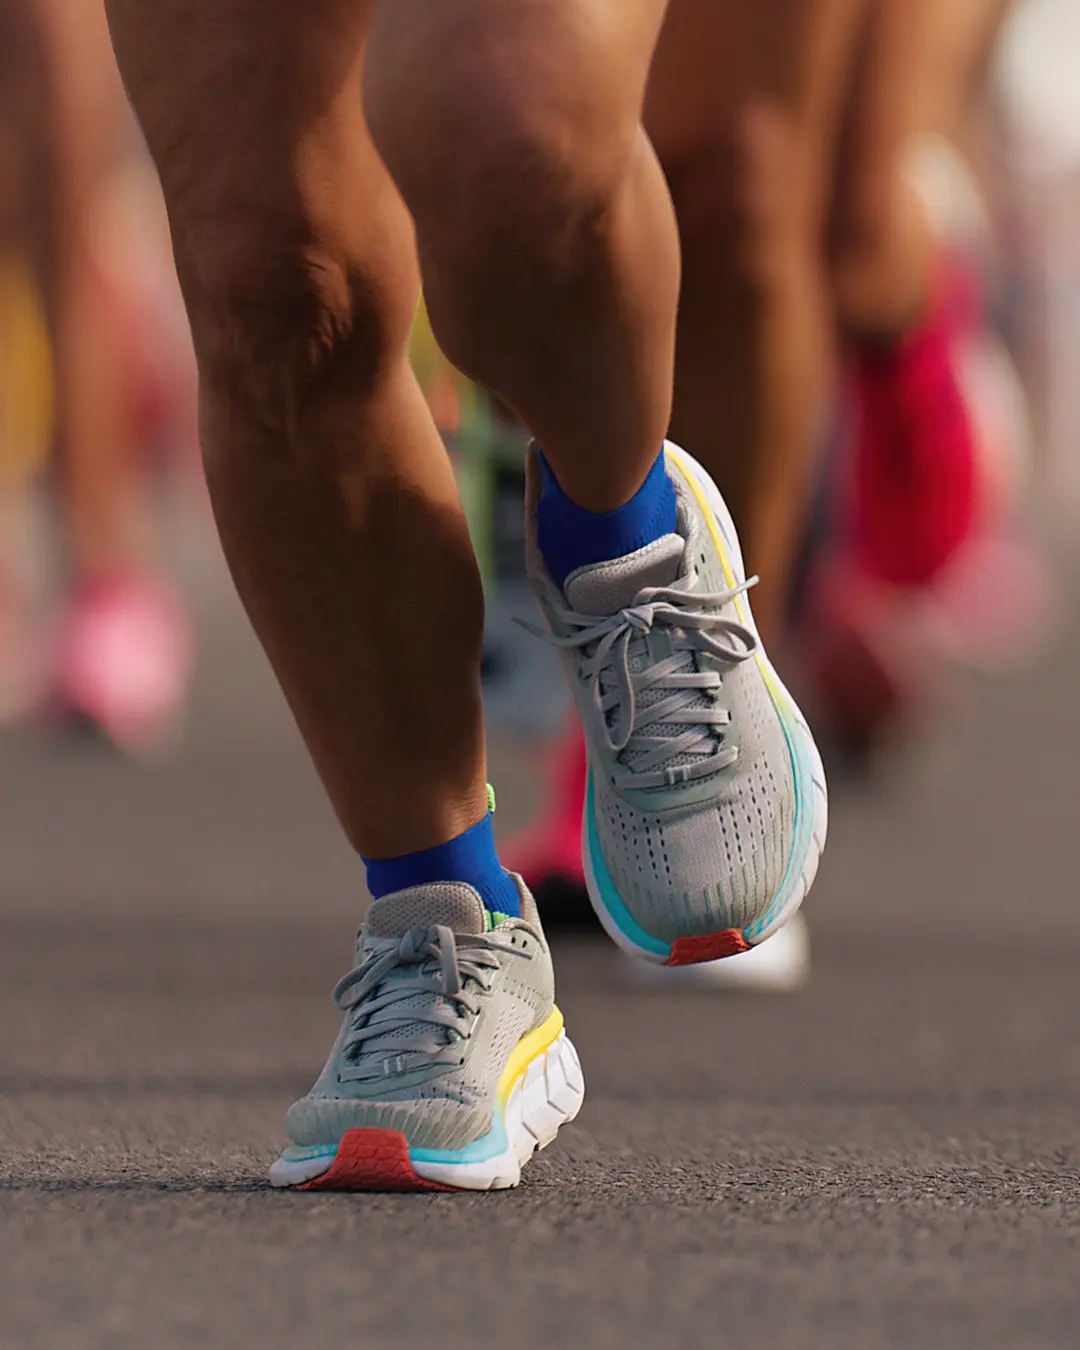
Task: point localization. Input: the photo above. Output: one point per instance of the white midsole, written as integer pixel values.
(546, 1096)
(820, 796)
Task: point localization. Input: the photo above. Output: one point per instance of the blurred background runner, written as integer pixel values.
(920, 418)
(96, 390)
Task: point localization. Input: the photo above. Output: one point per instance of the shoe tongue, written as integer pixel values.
(605, 588)
(450, 904)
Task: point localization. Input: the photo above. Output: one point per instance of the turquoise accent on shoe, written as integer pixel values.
(488, 1146)
(804, 822)
(480, 1150)
(803, 835)
(613, 901)
(304, 1153)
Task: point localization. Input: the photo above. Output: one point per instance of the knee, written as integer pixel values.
(743, 203)
(871, 199)
(282, 313)
(880, 246)
(490, 176)
(860, 224)
(512, 198)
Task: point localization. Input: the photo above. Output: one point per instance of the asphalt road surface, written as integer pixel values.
(891, 1159)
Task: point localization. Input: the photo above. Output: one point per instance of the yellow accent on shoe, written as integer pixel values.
(779, 695)
(530, 1047)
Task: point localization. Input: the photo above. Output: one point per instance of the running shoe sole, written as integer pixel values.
(811, 793)
(541, 1089)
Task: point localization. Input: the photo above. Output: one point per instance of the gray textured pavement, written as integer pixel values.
(890, 1160)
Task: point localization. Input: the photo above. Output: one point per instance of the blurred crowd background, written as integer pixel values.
(106, 535)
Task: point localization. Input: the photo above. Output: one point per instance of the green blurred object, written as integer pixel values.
(487, 452)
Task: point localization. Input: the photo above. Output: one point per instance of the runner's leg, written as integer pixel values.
(913, 498)
(333, 494)
(545, 230)
(743, 107)
(882, 243)
(950, 82)
(97, 451)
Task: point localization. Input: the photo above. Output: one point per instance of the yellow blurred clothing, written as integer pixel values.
(449, 394)
(26, 376)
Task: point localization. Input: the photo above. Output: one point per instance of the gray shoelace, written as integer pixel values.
(415, 999)
(680, 693)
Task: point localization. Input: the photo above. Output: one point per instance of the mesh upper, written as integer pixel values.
(604, 588)
(437, 1109)
(716, 867)
(450, 903)
(711, 856)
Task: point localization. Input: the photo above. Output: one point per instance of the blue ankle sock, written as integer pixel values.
(471, 858)
(571, 537)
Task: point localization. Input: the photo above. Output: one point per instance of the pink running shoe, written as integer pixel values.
(547, 854)
(124, 656)
(926, 493)
(913, 483)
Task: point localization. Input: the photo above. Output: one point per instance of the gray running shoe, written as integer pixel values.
(452, 1065)
(706, 808)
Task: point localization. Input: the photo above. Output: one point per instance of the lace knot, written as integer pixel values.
(661, 717)
(408, 1001)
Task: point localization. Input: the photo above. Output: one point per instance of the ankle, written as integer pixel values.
(470, 858)
(570, 537)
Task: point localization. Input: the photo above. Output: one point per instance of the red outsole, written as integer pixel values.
(372, 1160)
(692, 951)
